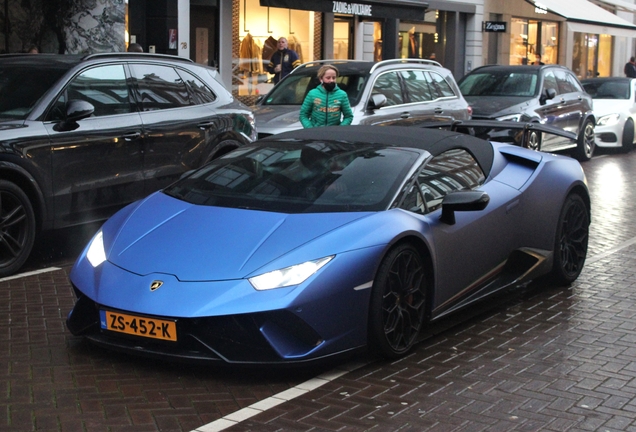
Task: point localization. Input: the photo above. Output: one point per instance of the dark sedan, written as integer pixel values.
(84, 136)
(548, 94)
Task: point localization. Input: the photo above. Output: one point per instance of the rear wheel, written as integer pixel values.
(585, 143)
(627, 141)
(398, 301)
(570, 246)
(17, 228)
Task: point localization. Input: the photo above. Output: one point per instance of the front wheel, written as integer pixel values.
(585, 143)
(398, 301)
(17, 228)
(627, 140)
(570, 245)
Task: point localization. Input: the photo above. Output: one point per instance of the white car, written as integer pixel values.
(615, 110)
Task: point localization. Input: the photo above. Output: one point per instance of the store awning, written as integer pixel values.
(584, 12)
(407, 10)
(621, 5)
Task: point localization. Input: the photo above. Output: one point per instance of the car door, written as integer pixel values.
(476, 246)
(177, 127)
(429, 98)
(395, 110)
(553, 112)
(96, 163)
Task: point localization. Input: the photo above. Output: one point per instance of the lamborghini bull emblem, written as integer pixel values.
(155, 285)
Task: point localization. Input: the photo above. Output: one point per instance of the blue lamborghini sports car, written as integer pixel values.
(318, 242)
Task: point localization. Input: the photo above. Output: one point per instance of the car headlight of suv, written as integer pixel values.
(96, 254)
(288, 276)
(608, 120)
(512, 117)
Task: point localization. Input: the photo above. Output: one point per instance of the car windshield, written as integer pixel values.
(500, 83)
(292, 90)
(300, 177)
(607, 89)
(21, 87)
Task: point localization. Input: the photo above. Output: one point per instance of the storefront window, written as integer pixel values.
(592, 55)
(533, 41)
(342, 28)
(419, 40)
(259, 29)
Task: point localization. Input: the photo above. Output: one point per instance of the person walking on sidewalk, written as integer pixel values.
(327, 104)
(630, 68)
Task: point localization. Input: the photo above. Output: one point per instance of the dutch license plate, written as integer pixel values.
(138, 326)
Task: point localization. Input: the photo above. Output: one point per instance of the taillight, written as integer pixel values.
(470, 110)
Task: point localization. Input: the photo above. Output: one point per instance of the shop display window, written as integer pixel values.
(259, 28)
(533, 41)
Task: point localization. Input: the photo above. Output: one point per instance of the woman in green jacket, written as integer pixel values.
(326, 105)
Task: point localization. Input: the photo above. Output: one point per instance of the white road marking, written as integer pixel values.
(284, 396)
(31, 273)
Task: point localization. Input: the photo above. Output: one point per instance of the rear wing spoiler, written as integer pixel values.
(469, 127)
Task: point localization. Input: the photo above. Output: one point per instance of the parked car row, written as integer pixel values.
(83, 136)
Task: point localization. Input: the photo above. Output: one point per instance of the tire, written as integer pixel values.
(585, 142)
(534, 141)
(627, 140)
(570, 245)
(398, 301)
(17, 228)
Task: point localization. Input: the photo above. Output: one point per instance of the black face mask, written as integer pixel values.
(329, 86)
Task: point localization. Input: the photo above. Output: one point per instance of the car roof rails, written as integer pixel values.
(406, 61)
(138, 55)
(334, 62)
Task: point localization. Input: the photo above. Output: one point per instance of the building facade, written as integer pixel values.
(591, 38)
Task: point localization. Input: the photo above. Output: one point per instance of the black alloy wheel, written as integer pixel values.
(17, 228)
(398, 301)
(572, 235)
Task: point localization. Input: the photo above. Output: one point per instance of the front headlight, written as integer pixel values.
(289, 276)
(96, 254)
(608, 120)
(512, 117)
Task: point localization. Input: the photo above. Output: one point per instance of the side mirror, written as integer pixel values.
(547, 95)
(377, 100)
(471, 200)
(76, 110)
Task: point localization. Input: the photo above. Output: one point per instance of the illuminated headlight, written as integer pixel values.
(289, 276)
(513, 117)
(96, 254)
(608, 120)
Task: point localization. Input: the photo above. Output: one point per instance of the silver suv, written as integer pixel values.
(390, 92)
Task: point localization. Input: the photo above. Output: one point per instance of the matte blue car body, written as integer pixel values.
(206, 268)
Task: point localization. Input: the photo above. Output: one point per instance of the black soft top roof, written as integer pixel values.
(435, 141)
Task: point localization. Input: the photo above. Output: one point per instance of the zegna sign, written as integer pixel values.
(495, 26)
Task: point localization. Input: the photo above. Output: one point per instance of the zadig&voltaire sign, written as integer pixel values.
(352, 8)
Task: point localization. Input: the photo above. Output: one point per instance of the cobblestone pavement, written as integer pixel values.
(553, 359)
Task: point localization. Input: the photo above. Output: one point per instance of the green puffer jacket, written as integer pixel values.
(313, 112)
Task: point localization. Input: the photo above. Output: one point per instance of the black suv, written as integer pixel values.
(549, 94)
(82, 136)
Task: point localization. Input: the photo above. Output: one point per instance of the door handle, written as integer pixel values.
(439, 110)
(405, 115)
(131, 136)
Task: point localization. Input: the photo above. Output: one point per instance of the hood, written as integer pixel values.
(197, 243)
(610, 106)
(277, 118)
(497, 106)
